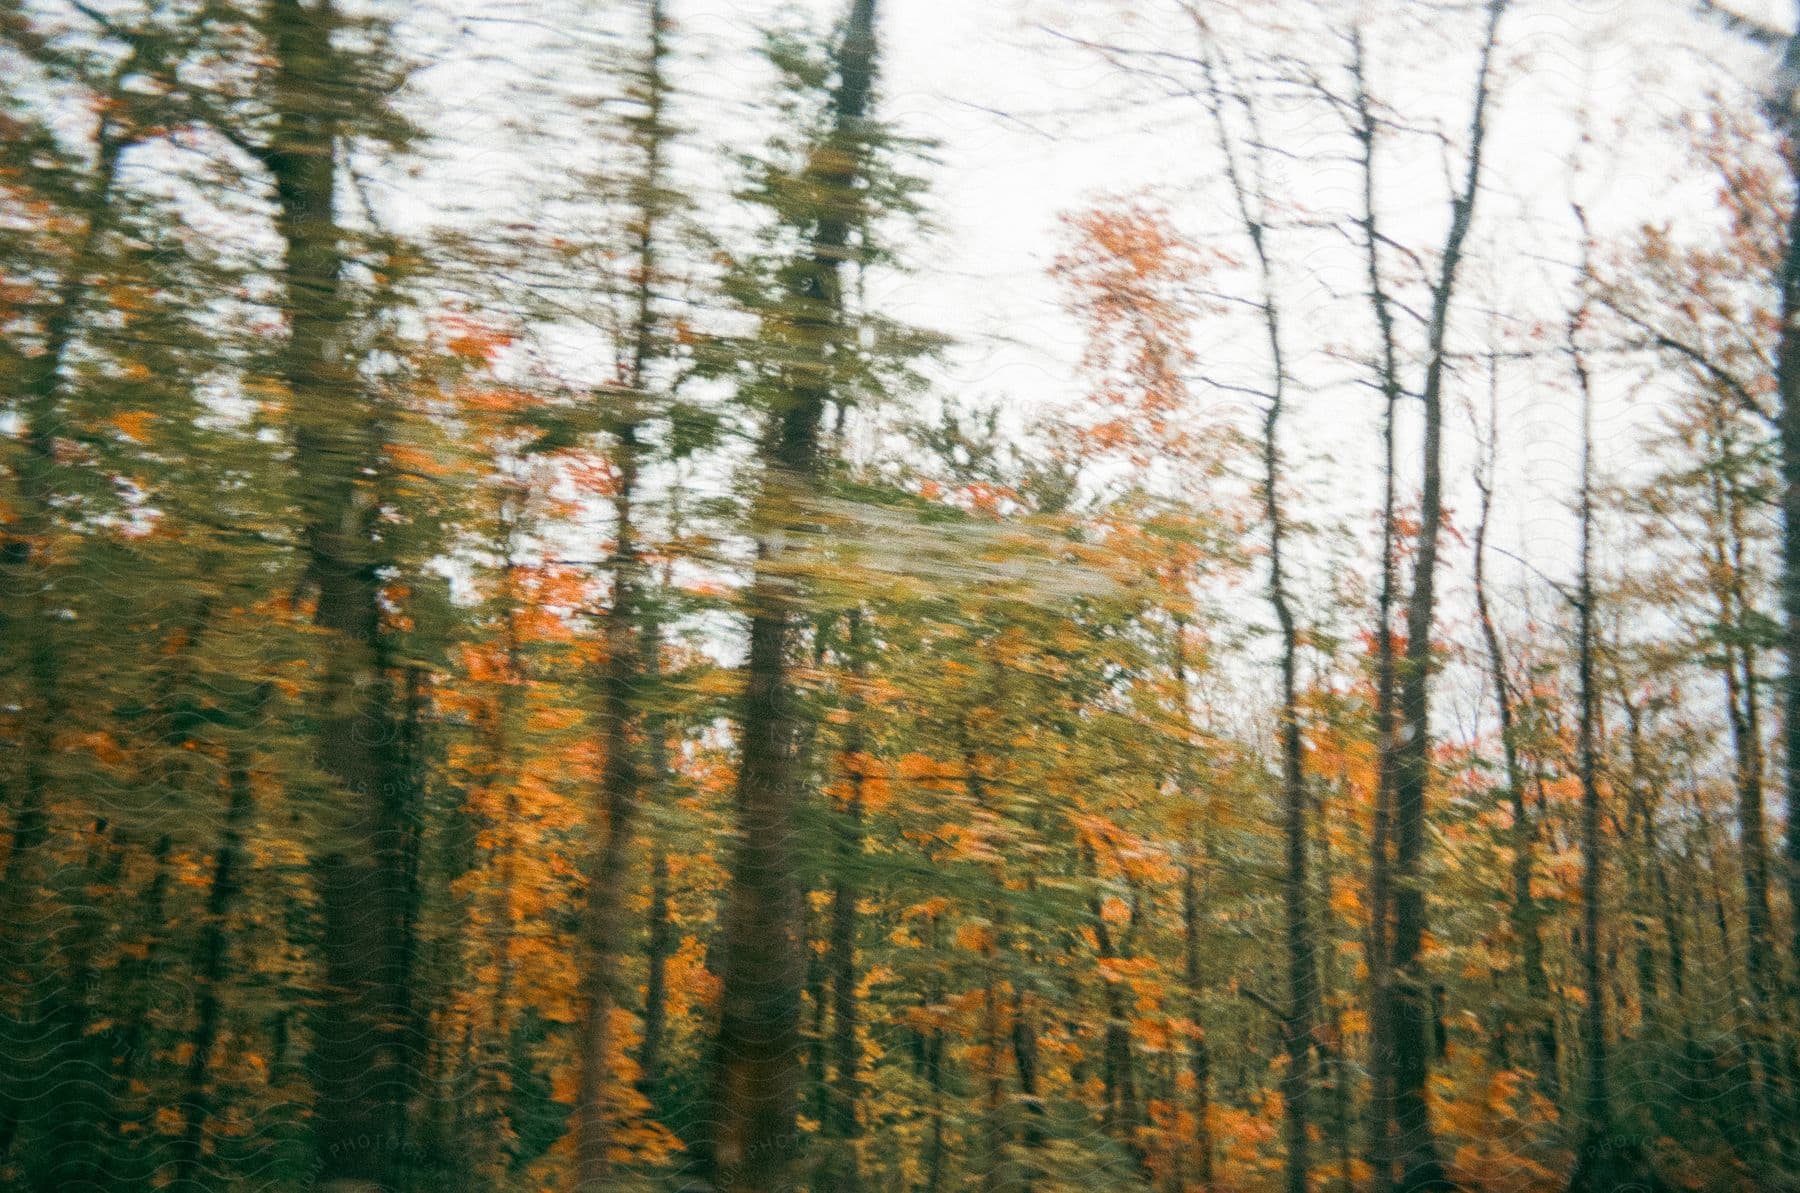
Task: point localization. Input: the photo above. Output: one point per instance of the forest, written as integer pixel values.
(900, 596)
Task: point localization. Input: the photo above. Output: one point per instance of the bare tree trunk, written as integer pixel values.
(30, 623)
(1522, 909)
(1778, 104)
(1199, 1054)
(1334, 1062)
(1300, 1015)
(1379, 946)
(619, 798)
(1409, 1012)
(1193, 977)
(659, 938)
(1608, 1163)
(1787, 387)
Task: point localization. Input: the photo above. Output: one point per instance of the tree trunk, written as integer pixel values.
(619, 799)
(840, 1126)
(1522, 909)
(1301, 1014)
(1421, 1171)
(360, 869)
(1378, 949)
(622, 774)
(1787, 379)
(1199, 1057)
(1608, 1162)
(1302, 1009)
(32, 629)
(659, 937)
(210, 973)
(755, 1052)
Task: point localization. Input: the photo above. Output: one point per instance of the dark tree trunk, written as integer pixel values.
(361, 869)
(1300, 1015)
(659, 935)
(1199, 1056)
(659, 945)
(1607, 1162)
(1302, 1008)
(756, 1051)
(606, 913)
(1378, 948)
(1538, 1023)
(840, 1125)
(209, 973)
(1420, 1169)
(1787, 379)
(1122, 1114)
(28, 618)
(622, 771)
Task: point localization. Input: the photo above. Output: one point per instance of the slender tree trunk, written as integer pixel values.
(1379, 946)
(1787, 386)
(1193, 977)
(755, 1053)
(1300, 1016)
(1302, 964)
(936, 1150)
(1335, 1078)
(1778, 104)
(492, 1072)
(1522, 909)
(1029, 1064)
(33, 632)
(658, 947)
(1420, 1169)
(839, 1167)
(210, 973)
(659, 937)
(619, 784)
(1199, 1054)
(131, 1044)
(659, 940)
(1743, 695)
(28, 529)
(622, 775)
(1121, 1115)
(1608, 1163)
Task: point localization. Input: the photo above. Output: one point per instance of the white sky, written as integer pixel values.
(1073, 129)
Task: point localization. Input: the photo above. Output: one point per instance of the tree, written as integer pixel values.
(1400, 1028)
(1605, 1163)
(320, 94)
(624, 775)
(804, 325)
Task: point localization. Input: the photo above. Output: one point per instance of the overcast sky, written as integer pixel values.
(1030, 125)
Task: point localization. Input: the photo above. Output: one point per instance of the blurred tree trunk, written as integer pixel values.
(756, 1050)
(361, 864)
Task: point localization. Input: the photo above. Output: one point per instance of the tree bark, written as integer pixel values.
(753, 1138)
(31, 624)
(1608, 1162)
(360, 869)
(839, 1166)
(210, 972)
(1420, 1169)
(1522, 909)
(1300, 1016)
(622, 774)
